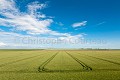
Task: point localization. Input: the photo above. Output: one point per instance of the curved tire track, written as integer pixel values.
(42, 66)
(85, 66)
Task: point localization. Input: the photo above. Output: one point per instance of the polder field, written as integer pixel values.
(59, 64)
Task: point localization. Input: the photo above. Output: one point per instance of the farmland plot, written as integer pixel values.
(63, 62)
(98, 63)
(59, 65)
(26, 63)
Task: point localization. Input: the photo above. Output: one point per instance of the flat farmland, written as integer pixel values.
(59, 64)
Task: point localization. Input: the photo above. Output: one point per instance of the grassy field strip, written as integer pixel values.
(9, 54)
(28, 69)
(94, 56)
(91, 75)
(63, 63)
(103, 59)
(112, 56)
(18, 60)
(12, 59)
(17, 55)
(41, 67)
(27, 66)
(109, 55)
(85, 66)
(12, 54)
(95, 63)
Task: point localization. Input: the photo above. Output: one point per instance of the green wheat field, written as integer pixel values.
(59, 64)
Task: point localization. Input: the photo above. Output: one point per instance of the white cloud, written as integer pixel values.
(60, 23)
(33, 7)
(79, 24)
(8, 8)
(2, 44)
(101, 23)
(31, 22)
(14, 40)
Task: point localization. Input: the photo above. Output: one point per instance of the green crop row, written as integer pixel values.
(65, 65)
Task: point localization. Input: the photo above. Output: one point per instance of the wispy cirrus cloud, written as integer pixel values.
(79, 24)
(101, 23)
(59, 23)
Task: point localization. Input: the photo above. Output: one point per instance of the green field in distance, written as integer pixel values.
(59, 64)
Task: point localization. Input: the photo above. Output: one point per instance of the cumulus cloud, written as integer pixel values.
(2, 44)
(32, 22)
(33, 7)
(79, 24)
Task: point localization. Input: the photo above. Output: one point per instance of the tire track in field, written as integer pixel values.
(103, 59)
(85, 66)
(2, 65)
(41, 68)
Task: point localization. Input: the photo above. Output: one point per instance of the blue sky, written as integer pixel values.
(24, 23)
